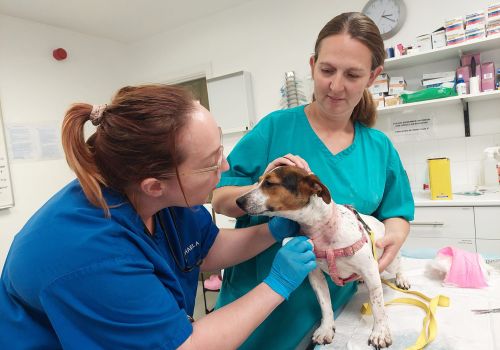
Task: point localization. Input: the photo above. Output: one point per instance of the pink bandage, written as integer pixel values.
(465, 270)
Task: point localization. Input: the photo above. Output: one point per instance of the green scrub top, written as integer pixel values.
(367, 175)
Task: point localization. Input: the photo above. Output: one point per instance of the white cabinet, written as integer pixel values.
(437, 227)
(488, 231)
(471, 228)
(487, 222)
(443, 222)
(488, 247)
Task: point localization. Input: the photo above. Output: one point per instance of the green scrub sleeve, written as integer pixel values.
(397, 200)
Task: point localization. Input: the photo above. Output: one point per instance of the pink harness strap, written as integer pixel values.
(331, 254)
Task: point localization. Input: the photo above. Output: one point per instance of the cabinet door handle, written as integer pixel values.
(427, 223)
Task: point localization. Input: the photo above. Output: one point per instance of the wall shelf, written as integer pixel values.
(483, 96)
(443, 53)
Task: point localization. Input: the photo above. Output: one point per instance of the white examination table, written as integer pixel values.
(458, 327)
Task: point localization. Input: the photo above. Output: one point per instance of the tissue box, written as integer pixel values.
(476, 33)
(391, 101)
(493, 12)
(455, 38)
(397, 85)
(440, 178)
(381, 84)
(454, 25)
(476, 20)
(487, 76)
(423, 42)
(378, 99)
(438, 39)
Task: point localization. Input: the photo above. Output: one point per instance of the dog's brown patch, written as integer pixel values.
(290, 188)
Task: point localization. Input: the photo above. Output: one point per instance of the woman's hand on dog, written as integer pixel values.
(396, 231)
(288, 159)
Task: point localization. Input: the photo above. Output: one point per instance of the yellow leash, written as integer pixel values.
(429, 328)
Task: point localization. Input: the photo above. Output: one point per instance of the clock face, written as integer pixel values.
(388, 15)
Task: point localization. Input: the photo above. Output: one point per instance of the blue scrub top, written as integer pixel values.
(367, 175)
(74, 279)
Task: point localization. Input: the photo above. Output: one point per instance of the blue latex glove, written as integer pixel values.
(291, 265)
(281, 228)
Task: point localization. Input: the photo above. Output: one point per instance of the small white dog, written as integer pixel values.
(341, 242)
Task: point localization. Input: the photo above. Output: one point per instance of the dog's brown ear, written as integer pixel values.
(318, 188)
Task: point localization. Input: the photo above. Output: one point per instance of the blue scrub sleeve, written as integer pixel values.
(115, 304)
(397, 200)
(249, 158)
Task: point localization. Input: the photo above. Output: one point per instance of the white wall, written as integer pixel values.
(36, 88)
(264, 37)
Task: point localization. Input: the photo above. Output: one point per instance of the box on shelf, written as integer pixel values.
(378, 99)
(423, 42)
(381, 84)
(391, 100)
(493, 28)
(397, 85)
(455, 38)
(439, 79)
(493, 12)
(488, 76)
(454, 25)
(466, 59)
(438, 38)
(464, 71)
(411, 50)
(476, 20)
(435, 75)
(475, 33)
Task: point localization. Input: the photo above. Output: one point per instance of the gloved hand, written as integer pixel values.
(291, 265)
(281, 228)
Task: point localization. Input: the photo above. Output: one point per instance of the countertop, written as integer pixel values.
(488, 198)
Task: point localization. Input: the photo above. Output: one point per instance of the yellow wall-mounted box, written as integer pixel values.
(440, 178)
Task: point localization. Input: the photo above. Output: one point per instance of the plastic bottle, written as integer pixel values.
(490, 170)
(461, 87)
(497, 84)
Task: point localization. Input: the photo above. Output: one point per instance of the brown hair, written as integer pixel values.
(361, 28)
(135, 138)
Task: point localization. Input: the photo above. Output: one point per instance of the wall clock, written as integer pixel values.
(388, 15)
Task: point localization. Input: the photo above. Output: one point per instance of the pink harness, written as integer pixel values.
(331, 254)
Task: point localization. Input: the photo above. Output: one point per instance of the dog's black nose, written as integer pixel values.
(240, 202)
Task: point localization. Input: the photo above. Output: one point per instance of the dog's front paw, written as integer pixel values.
(324, 334)
(380, 337)
(402, 282)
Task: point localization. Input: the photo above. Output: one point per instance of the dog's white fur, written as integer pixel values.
(335, 226)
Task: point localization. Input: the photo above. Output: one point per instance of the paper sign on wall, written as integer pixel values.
(34, 142)
(412, 127)
(6, 193)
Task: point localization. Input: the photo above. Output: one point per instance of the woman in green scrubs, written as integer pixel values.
(332, 137)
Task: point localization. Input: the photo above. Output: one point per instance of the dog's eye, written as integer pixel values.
(268, 183)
